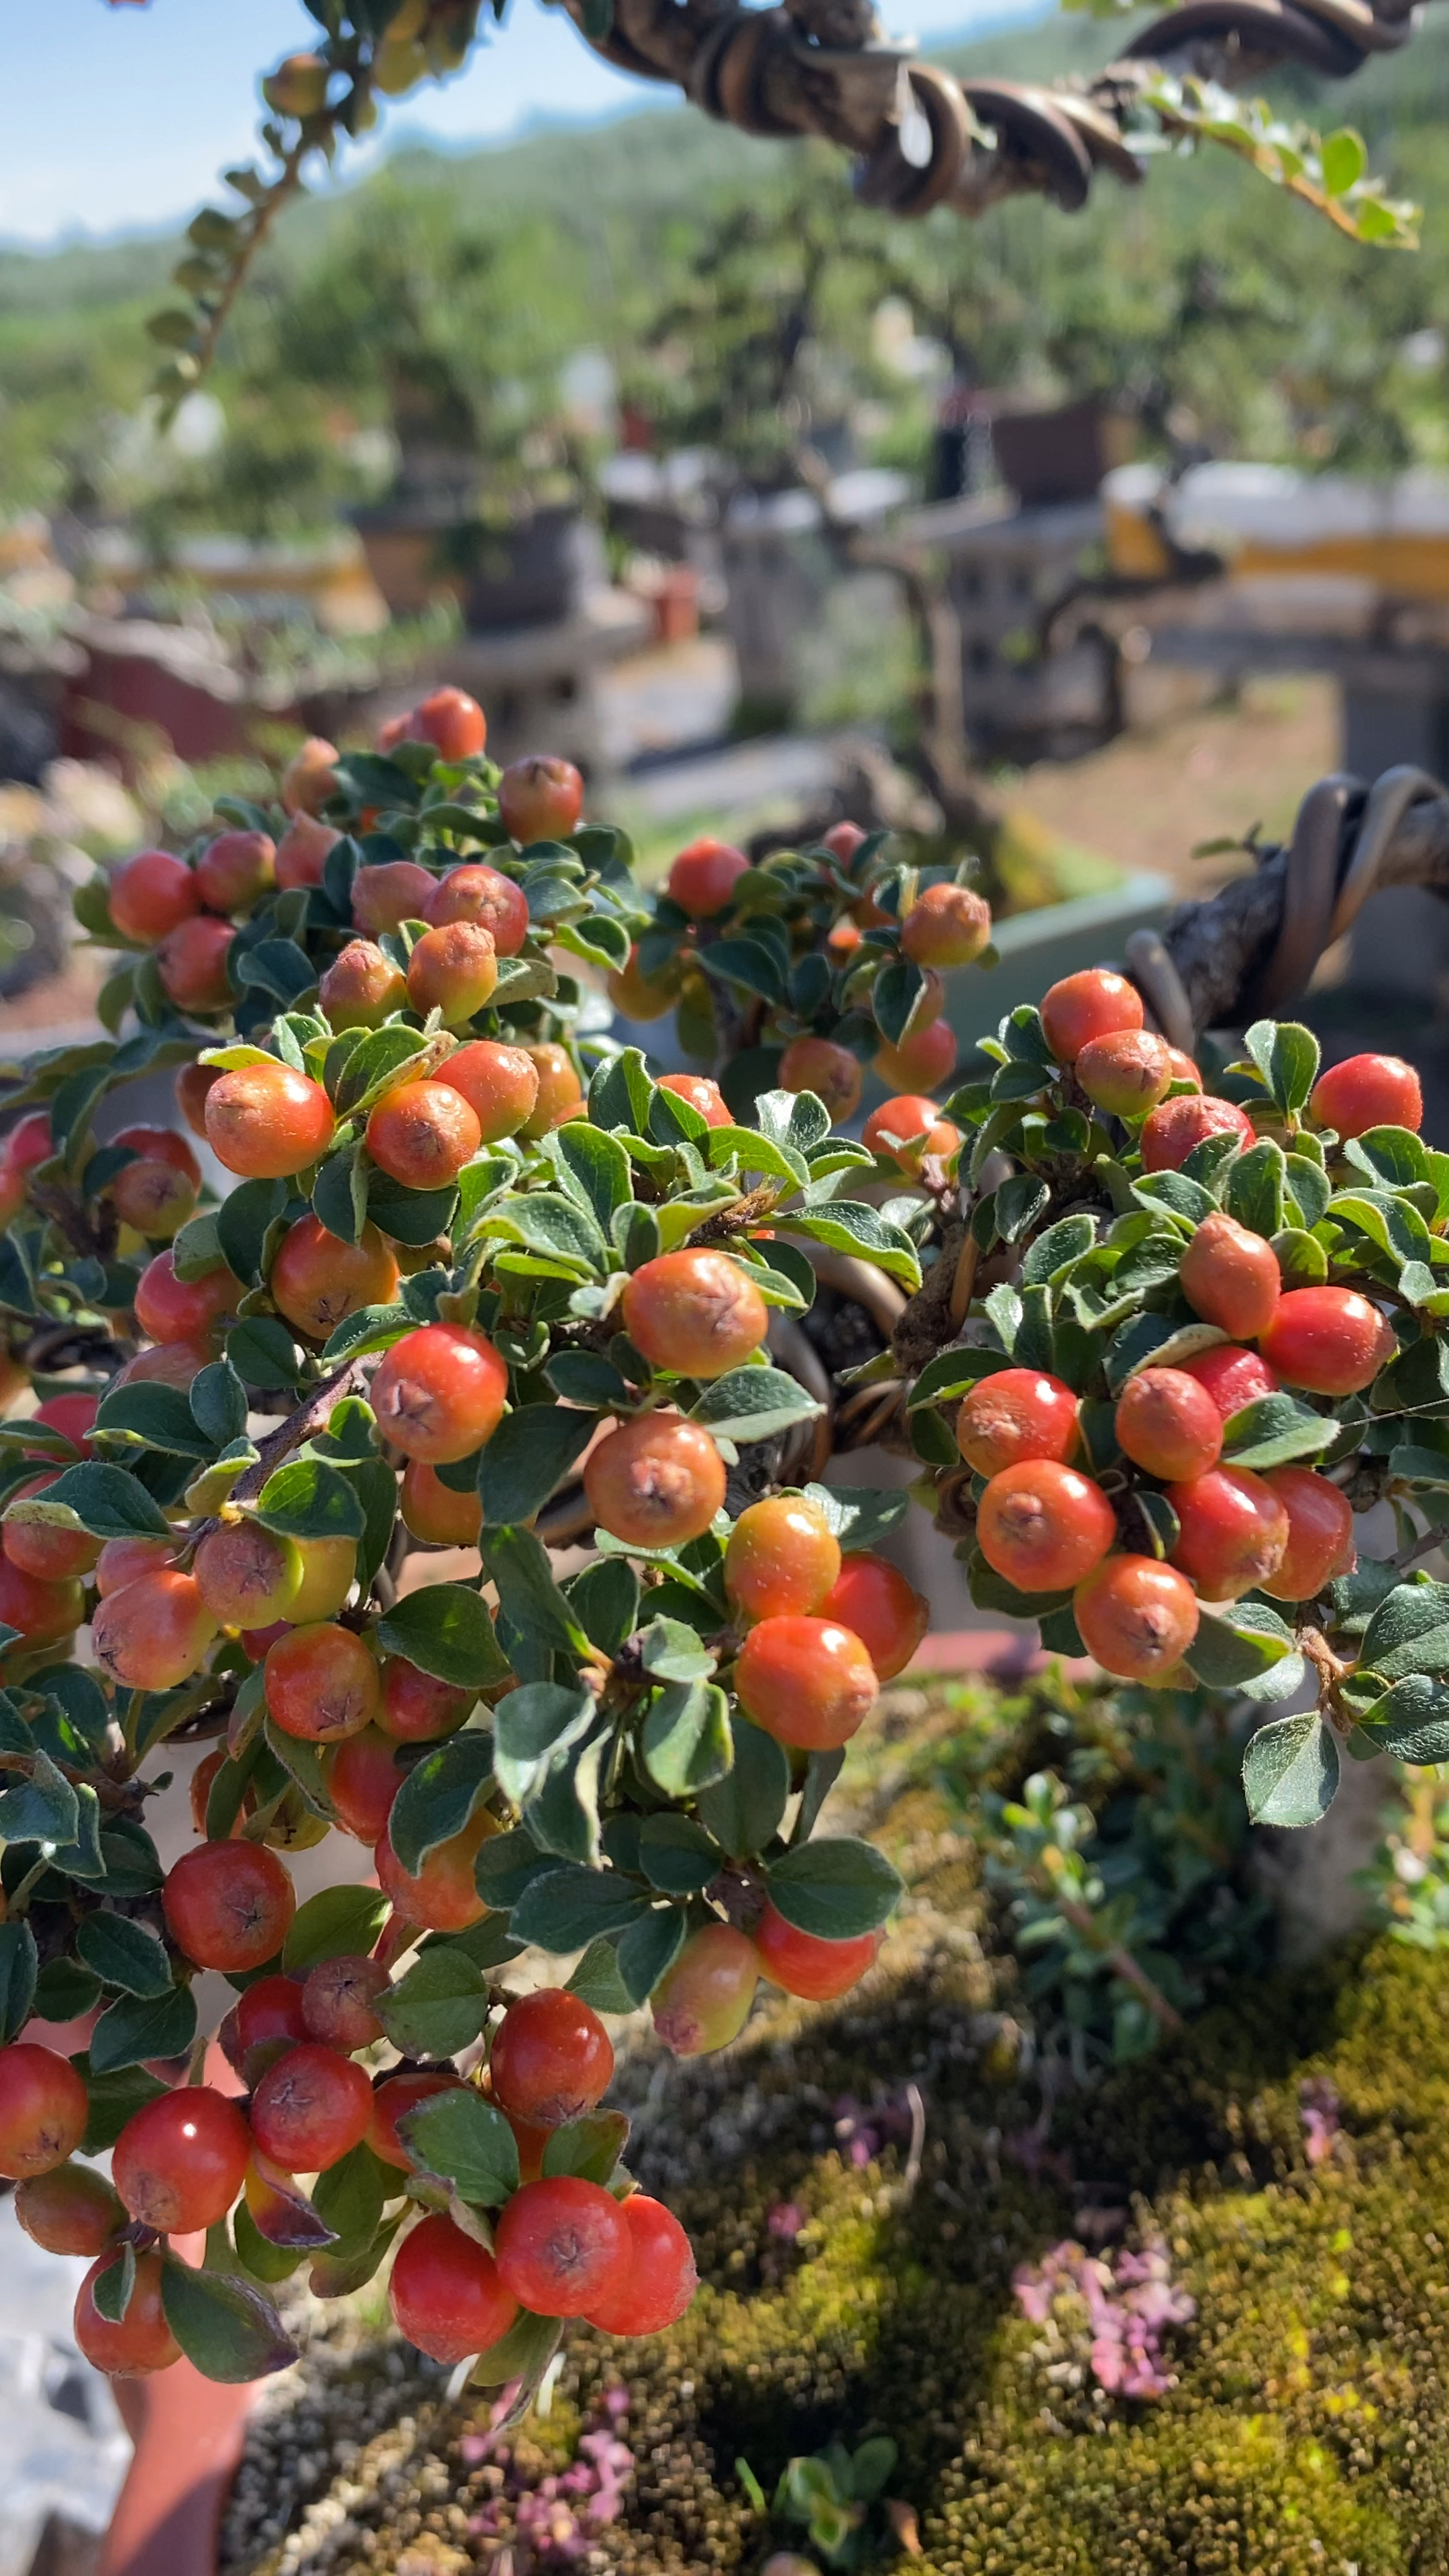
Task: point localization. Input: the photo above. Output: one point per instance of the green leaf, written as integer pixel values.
(42, 1809)
(593, 1168)
(517, 1563)
(754, 1404)
(676, 1855)
(525, 2352)
(1255, 1190)
(526, 1458)
(413, 1217)
(1290, 1771)
(598, 1981)
(1394, 1224)
(263, 1353)
(835, 1889)
(686, 1741)
(1237, 1645)
(308, 1499)
(113, 2100)
(440, 2006)
(336, 1923)
(651, 1945)
(605, 1596)
(743, 1810)
(1411, 1721)
(671, 1652)
(242, 1223)
(859, 1516)
(445, 1630)
(348, 2199)
(533, 1727)
(465, 2141)
(109, 1502)
(544, 1222)
(565, 1908)
(140, 2028)
(219, 1405)
(1409, 1632)
(439, 1795)
(845, 1225)
(1273, 1429)
(590, 2147)
(115, 2286)
(227, 2328)
(1343, 160)
(124, 1954)
(18, 1975)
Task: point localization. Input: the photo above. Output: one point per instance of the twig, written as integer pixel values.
(1082, 1920)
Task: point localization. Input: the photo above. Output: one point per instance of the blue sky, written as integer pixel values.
(117, 117)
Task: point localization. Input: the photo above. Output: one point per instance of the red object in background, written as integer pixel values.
(160, 682)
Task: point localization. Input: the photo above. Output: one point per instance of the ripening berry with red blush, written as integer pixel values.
(248, 1576)
(394, 2098)
(443, 1896)
(920, 1062)
(1368, 1091)
(872, 1598)
(1232, 1531)
(193, 1082)
(45, 1548)
(383, 898)
(782, 1556)
(694, 1312)
(486, 898)
(439, 1393)
(1136, 1617)
(551, 2060)
(452, 722)
(416, 1707)
(1330, 1341)
(434, 1512)
(329, 1569)
(703, 2001)
(1087, 1006)
(361, 987)
(229, 1905)
(806, 1681)
(363, 1779)
(1168, 1423)
(265, 1121)
(235, 870)
(421, 1134)
(1232, 1377)
(802, 1964)
(142, 2343)
(1016, 1413)
(42, 1612)
(661, 2281)
(311, 2109)
(446, 2294)
(1231, 1277)
(1042, 1526)
(637, 996)
(1126, 1074)
(264, 2023)
(562, 2246)
(319, 1279)
(44, 2109)
(1320, 1534)
(71, 1414)
(947, 925)
(192, 964)
(169, 1309)
(125, 1560)
(540, 799)
(302, 851)
(180, 2160)
(830, 1071)
(155, 1633)
(337, 2003)
(499, 1083)
(704, 876)
(1179, 1125)
(697, 1090)
(310, 776)
(560, 1092)
(322, 1683)
(655, 1482)
(902, 1131)
(69, 2210)
(453, 970)
(151, 895)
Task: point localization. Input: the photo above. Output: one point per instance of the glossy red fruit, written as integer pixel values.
(43, 2109)
(655, 1482)
(318, 1279)
(72, 1414)
(1368, 1091)
(921, 1062)
(363, 1779)
(361, 987)
(310, 2109)
(434, 1512)
(302, 851)
(143, 2342)
(806, 1681)
(563, 2246)
(268, 2017)
(1178, 1125)
(177, 1364)
(551, 2059)
(443, 1897)
(416, 1707)
(152, 1195)
(192, 964)
(560, 1092)
(661, 2279)
(499, 1083)
(452, 722)
(704, 876)
(229, 1905)
(439, 1393)
(337, 2003)
(453, 970)
(446, 2293)
(29, 1142)
(1042, 1526)
(875, 1601)
(701, 1094)
(125, 1560)
(830, 1071)
(905, 1129)
(1232, 1534)
(310, 776)
(1136, 1617)
(1231, 1278)
(947, 925)
(1330, 1341)
(383, 898)
(697, 1313)
(1320, 1534)
(394, 2098)
(1084, 1007)
(422, 1134)
(169, 1309)
(1184, 1069)
(265, 1122)
(486, 898)
(843, 840)
(180, 2160)
(70, 2210)
(1168, 1423)
(248, 1576)
(155, 1633)
(43, 1612)
(1231, 1376)
(1017, 1413)
(1125, 1074)
(322, 1683)
(44, 1548)
(782, 1556)
(540, 799)
(235, 869)
(818, 1971)
(703, 2001)
(151, 894)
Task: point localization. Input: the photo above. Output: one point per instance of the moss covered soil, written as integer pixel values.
(862, 2185)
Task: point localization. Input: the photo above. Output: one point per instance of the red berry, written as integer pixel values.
(422, 1134)
(265, 1122)
(416, 1707)
(782, 1556)
(830, 1071)
(74, 1415)
(1231, 1376)
(947, 925)
(29, 1142)
(655, 1482)
(803, 1965)
(362, 987)
(318, 1279)
(169, 1309)
(43, 2110)
(552, 2058)
(1125, 1074)
(661, 2280)
(560, 1092)
(903, 1130)
(1178, 1125)
(1230, 1277)
(540, 799)
(124, 1560)
(1084, 1007)
(1168, 1423)
(1320, 1534)
(302, 851)
(452, 722)
(155, 1633)
(70, 2210)
(1137, 1617)
(43, 1548)
(322, 1683)
(920, 1061)
(266, 2021)
(697, 1313)
(337, 2001)
(1042, 1526)
(843, 840)
(363, 1779)
(192, 964)
(1330, 1341)
(704, 876)
(434, 1512)
(446, 2293)
(454, 971)
(248, 1576)
(439, 1393)
(234, 869)
(563, 2246)
(1233, 1531)
(1017, 1413)
(499, 1083)
(443, 1897)
(310, 776)
(151, 894)
(384, 898)
(143, 2341)
(806, 1681)
(228, 1905)
(874, 1599)
(487, 899)
(703, 2001)
(1368, 1091)
(701, 1094)
(180, 2160)
(394, 2098)
(310, 2109)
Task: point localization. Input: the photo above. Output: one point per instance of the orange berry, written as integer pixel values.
(234, 869)
(1168, 1423)
(1367, 1091)
(1082, 1007)
(947, 925)
(487, 898)
(443, 1897)
(155, 1633)
(875, 1601)
(1230, 1277)
(439, 1393)
(703, 2001)
(452, 722)
(266, 1122)
(1231, 1376)
(322, 1683)
(701, 1094)
(802, 1964)
(905, 1129)
(310, 776)
(830, 1071)
(540, 799)
(1136, 1617)
(1125, 1074)
(453, 970)
(383, 898)
(806, 1681)
(151, 894)
(782, 1556)
(361, 987)
(1017, 1413)
(697, 1313)
(704, 876)
(1042, 1526)
(318, 1279)
(655, 1482)
(1233, 1531)
(560, 1092)
(192, 964)
(922, 1060)
(421, 1134)
(1172, 1130)
(1320, 1534)
(143, 2342)
(1330, 1341)
(302, 851)
(434, 1512)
